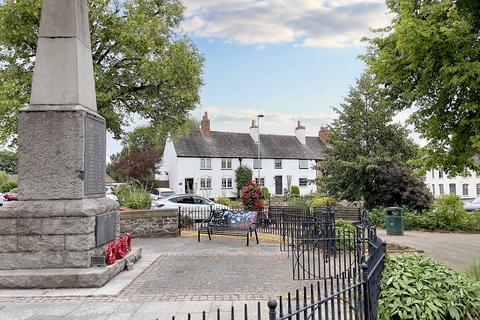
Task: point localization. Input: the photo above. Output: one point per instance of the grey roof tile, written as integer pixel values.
(241, 145)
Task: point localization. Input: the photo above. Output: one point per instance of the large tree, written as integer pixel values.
(363, 140)
(142, 65)
(429, 58)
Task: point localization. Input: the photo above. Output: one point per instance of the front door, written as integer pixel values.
(189, 186)
(278, 185)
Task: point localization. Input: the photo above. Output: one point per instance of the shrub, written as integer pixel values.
(323, 202)
(298, 202)
(295, 191)
(14, 190)
(473, 270)
(449, 214)
(265, 193)
(186, 222)
(243, 174)
(252, 196)
(133, 197)
(224, 200)
(345, 231)
(377, 217)
(416, 287)
(7, 186)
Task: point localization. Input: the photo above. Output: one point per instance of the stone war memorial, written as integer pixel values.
(58, 230)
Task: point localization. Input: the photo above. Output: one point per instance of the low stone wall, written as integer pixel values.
(149, 223)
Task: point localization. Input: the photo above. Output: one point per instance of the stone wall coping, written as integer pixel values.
(147, 214)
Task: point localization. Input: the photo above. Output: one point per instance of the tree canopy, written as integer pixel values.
(364, 140)
(143, 66)
(429, 58)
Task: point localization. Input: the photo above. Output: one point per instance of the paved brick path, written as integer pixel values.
(187, 277)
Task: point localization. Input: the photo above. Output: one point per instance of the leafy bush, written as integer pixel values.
(7, 186)
(323, 202)
(449, 214)
(295, 191)
(14, 190)
(224, 200)
(252, 196)
(298, 202)
(473, 270)
(416, 287)
(265, 193)
(133, 197)
(243, 174)
(345, 232)
(377, 217)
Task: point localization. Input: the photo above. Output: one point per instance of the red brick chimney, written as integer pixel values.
(324, 135)
(205, 125)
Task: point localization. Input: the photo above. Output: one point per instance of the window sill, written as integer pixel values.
(227, 169)
(206, 169)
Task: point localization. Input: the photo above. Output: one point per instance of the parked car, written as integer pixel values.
(159, 193)
(10, 196)
(473, 206)
(1, 199)
(197, 207)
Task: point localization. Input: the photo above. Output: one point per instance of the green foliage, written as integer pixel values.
(133, 197)
(449, 214)
(143, 66)
(295, 191)
(3, 177)
(224, 200)
(345, 234)
(364, 141)
(8, 161)
(14, 190)
(243, 174)
(298, 202)
(473, 270)
(377, 217)
(7, 186)
(265, 193)
(323, 202)
(429, 58)
(416, 287)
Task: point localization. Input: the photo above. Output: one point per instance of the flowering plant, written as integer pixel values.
(252, 196)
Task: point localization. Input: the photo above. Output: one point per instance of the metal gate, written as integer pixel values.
(320, 250)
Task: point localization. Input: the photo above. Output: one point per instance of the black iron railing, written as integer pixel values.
(346, 263)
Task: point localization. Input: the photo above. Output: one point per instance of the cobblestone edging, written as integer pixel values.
(149, 223)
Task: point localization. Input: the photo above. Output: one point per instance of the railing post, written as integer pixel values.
(272, 306)
(179, 222)
(366, 291)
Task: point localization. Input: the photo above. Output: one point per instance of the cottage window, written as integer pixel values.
(257, 163)
(433, 174)
(440, 189)
(278, 163)
(465, 189)
(206, 183)
(226, 164)
(205, 164)
(303, 164)
(227, 183)
(478, 189)
(453, 188)
(440, 174)
(303, 182)
(433, 190)
(262, 182)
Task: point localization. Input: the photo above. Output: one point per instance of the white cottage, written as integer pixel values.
(466, 187)
(204, 163)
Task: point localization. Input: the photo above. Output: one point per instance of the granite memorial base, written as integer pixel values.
(66, 278)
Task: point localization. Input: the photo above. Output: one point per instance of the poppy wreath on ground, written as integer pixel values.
(111, 254)
(128, 241)
(121, 249)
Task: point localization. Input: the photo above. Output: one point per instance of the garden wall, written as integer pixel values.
(149, 223)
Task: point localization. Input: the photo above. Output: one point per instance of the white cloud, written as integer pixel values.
(239, 120)
(314, 23)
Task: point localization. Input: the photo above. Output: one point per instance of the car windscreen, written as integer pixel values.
(476, 200)
(167, 193)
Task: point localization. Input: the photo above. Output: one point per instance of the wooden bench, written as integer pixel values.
(225, 222)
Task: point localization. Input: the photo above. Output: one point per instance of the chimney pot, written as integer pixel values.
(324, 135)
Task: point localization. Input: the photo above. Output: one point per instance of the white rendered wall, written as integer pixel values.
(190, 168)
(433, 182)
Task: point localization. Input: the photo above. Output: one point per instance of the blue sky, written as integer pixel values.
(288, 59)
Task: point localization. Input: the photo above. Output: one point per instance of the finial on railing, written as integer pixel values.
(272, 306)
